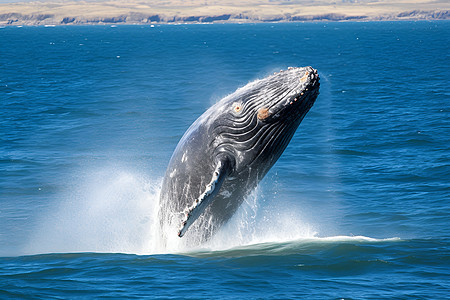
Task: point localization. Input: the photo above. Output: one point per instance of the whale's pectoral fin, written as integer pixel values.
(223, 168)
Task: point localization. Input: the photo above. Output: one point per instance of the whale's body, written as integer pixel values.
(228, 150)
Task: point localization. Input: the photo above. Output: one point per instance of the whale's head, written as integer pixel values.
(258, 120)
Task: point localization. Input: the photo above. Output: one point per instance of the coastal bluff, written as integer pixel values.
(204, 11)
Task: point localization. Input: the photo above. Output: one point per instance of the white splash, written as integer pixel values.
(110, 211)
(253, 224)
(115, 211)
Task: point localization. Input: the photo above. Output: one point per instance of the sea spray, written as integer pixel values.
(258, 221)
(114, 210)
(111, 210)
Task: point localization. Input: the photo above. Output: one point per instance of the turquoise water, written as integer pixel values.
(356, 207)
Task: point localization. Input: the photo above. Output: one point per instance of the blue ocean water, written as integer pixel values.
(356, 207)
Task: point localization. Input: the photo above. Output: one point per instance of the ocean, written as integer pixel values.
(357, 207)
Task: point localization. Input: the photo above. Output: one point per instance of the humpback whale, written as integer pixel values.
(226, 152)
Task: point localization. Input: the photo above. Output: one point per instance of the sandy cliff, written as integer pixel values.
(192, 11)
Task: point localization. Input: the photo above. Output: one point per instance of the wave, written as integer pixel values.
(324, 266)
(281, 248)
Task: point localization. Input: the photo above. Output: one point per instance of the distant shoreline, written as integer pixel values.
(212, 23)
(139, 12)
(24, 20)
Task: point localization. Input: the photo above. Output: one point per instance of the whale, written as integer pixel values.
(228, 150)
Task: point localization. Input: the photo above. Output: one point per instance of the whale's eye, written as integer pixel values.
(237, 107)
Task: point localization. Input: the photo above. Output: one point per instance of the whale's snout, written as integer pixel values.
(312, 75)
(297, 90)
(309, 82)
(309, 79)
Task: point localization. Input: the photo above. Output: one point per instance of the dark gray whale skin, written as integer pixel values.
(229, 149)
